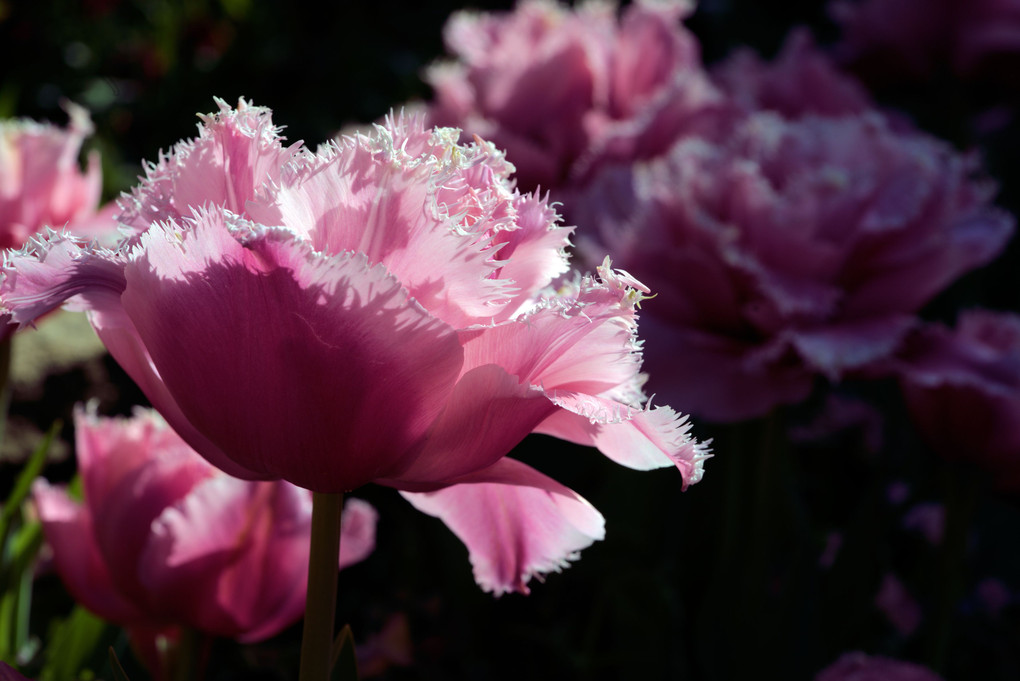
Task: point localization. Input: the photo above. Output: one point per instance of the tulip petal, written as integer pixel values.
(68, 528)
(283, 357)
(516, 523)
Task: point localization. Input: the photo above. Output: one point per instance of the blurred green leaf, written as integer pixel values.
(23, 485)
(72, 643)
(345, 660)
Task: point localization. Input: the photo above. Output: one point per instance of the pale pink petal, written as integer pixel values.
(68, 528)
(380, 197)
(357, 530)
(516, 523)
(293, 348)
(236, 153)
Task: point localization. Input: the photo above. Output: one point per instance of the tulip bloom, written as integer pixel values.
(374, 312)
(41, 184)
(163, 539)
(962, 388)
(795, 249)
(564, 90)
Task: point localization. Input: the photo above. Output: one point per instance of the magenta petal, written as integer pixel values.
(516, 523)
(240, 576)
(67, 526)
(487, 415)
(284, 358)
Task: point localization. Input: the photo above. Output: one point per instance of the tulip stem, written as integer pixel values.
(320, 600)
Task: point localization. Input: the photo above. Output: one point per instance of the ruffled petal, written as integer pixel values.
(636, 438)
(516, 523)
(288, 360)
(425, 210)
(236, 153)
(68, 528)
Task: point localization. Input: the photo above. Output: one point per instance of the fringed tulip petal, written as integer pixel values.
(516, 523)
(313, 316)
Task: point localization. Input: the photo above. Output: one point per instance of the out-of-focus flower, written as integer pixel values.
(794, 249)
(861, 667)
(917, 38)
(42, 185)
(929, 519)
(994, 595)
(163, 539)
(900, 608)
(962, 388)
(8, 673)
(563, 90)
(377, 312)
(800, 81)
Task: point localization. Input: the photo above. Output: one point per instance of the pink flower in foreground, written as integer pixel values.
(377, 313)
(962, 388)
(163, 539)
(918, 38)
(41, 184)
(861, 667)
(563, 89)
(794, 249)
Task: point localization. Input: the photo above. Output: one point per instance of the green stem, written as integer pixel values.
(320, 601)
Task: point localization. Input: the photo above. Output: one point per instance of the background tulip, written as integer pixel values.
(163, 540)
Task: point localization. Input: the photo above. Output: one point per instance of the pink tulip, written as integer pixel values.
(861, 667)
(563, 90)
(374, 312)
(41, 184)
(163, 539)
(793, 250)
(962, 388)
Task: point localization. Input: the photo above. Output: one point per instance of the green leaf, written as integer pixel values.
(345, 659)
(23, 485)
(71, 645)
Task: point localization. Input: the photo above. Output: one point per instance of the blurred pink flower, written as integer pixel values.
(8, 673)
(861, 667)
(929, 519)
(800, 81)
(993, 595)
(794, 249)
(918, 38)
(375, 312)
(898, 605)
(41, 184)
(562, 90)
(163, 539)
(962, 388)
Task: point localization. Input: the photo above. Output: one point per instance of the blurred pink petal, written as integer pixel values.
(929, 519)
(516, 523)
(899, 607)
(962, 388)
